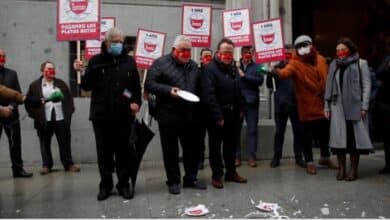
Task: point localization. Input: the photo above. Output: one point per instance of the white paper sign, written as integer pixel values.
(196, 24)
(269, 44)
(236, 26)
(150, 46)
(78, 19)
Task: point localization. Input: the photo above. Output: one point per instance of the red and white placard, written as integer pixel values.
(268, 37)
(236, 26)
(78, 20)
(150, 46)
(196, 24)
(93, 47)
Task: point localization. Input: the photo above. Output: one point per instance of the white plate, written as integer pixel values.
(267, 207)
(188, 96)
(198, 210)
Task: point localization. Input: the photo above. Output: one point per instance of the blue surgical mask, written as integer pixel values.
(116, 49)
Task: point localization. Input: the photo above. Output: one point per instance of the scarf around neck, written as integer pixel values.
(331, 90)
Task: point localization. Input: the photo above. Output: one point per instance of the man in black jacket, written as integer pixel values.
(250, 81)
(286, 107)
(178, 119)
(383, 101)
(206, 56)
(116, 97)
(11, 123)
(221, 90)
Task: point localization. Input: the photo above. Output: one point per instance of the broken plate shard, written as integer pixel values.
(198, 210)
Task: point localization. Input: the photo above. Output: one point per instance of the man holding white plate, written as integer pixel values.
(174, 79)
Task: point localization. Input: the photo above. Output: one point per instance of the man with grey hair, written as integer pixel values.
(113, 78)
(178, 120)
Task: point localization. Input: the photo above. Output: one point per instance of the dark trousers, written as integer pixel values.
(12, 130)
(62, 133)
(251, 115)
(226, 135)
(113, 152)
(386, 127)
(316, 129)
(202, 143)
(188, 135)
(282, 114)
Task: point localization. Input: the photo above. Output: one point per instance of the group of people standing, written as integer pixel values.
(49, 117)
(327, 105)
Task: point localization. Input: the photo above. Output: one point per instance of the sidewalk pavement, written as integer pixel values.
(73, 195)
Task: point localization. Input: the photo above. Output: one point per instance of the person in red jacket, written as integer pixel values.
(308, 69)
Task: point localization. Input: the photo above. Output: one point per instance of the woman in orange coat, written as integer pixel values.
(308, 69)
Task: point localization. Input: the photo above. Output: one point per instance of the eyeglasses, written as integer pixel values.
(183, 49)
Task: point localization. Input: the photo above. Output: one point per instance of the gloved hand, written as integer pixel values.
(262, 69)
(272, 80)
(56, 96)
(32, 101)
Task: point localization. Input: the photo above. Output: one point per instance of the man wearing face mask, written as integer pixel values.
(221, 90)
(250, 81)
(206, 56)
(309, 71)
(178, 120)
(54, 117)
(113, 78)
(285, 108)
(10, 120)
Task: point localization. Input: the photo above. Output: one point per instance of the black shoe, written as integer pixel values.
(201, 166)
(194, 185)
(301, 163)
(103, 194)
(174, 189)
(126, 192)
(274, 163)
(21, 174)
(385, 170)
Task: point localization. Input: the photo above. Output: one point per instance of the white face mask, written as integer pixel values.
(304, 50)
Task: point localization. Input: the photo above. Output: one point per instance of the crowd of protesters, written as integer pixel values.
(327, 104)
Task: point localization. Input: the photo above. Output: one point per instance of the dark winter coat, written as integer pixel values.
(110, 78)
(166, 73)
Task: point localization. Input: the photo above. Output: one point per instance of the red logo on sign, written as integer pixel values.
(268, 38)
(78, 6)
(196, 23)
(150, 47)
(236, 25)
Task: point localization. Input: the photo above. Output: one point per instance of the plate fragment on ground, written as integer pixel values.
(267, 207)
(325, 211)
(199, 210)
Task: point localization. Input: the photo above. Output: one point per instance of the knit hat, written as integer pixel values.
(302, 39)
